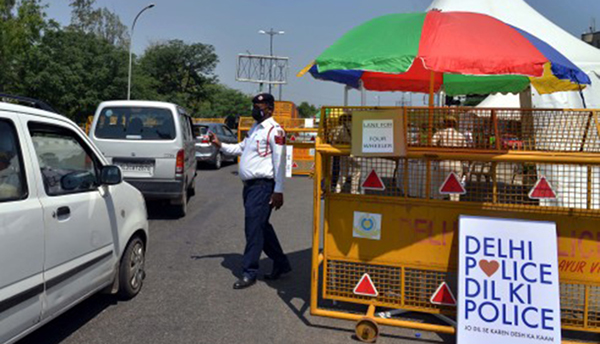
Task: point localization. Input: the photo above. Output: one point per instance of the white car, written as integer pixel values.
(69, 226)
(153, 144)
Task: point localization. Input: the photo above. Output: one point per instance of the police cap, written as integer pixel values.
(266, 98)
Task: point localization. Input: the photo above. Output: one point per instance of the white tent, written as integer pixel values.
(571, 192)
(519, 14)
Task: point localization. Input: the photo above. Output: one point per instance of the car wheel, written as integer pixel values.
(192, 188)
(131, 269)
(182, 207)
(218, 161)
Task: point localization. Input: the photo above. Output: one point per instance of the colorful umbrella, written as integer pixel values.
(466, 53)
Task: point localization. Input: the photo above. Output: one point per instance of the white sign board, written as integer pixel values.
(378, 136)
(367, 226)
(309, 122)
(289, 161)
(508, 289)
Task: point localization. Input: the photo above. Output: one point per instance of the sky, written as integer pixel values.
(310, 26)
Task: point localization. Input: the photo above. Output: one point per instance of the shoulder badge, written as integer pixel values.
(280, 137)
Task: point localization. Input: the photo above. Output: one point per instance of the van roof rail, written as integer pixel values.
(27, 101)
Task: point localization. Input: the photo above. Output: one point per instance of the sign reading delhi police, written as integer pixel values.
(508, 282)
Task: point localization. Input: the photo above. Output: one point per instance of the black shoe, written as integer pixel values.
(244, 282)
(278, 272)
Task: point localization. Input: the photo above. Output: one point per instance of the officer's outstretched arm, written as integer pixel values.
(234, 149)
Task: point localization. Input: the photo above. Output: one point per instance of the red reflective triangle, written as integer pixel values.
(366, 287)
(542, 190)
(373, 182)
(443, 296)
(452, 186)
(294, 165)
(293, 138)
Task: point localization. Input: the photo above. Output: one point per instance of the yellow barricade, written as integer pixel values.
(301, 138)
(208, 120)
(500, 157)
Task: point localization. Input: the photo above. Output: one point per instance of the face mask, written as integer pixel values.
(257, 114)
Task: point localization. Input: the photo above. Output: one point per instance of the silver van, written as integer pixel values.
(153, 144)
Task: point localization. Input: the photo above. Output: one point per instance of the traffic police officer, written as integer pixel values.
(262, 170)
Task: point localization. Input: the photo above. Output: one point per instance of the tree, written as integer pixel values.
(223, 101)
(21, 28)
(181, 72)
(74, 72)
(306, 110)
(101, 22)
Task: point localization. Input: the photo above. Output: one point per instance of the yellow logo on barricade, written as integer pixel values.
(367, 226)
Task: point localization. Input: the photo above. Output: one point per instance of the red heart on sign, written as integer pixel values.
(489, 267)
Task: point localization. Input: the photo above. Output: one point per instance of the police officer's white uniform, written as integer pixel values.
(263, 153)
(262, 169)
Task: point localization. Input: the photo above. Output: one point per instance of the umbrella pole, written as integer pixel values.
(582, 97)
(431, 88)
(430, 126)
(363, 94)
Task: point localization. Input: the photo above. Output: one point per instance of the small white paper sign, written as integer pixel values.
(508, 289)
(309, 122)
(289, 161)
(378, 136)
(367, 226)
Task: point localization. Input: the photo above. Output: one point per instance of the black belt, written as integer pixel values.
(258, 181)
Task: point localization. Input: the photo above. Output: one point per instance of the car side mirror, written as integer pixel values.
(110, 175)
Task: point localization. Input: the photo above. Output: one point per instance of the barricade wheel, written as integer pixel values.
(367, 330)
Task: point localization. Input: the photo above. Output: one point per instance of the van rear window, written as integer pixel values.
(135, 123)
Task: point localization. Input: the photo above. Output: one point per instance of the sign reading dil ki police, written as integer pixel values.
(508, 282)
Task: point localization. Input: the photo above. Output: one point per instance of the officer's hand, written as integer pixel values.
(276, 200)
(214, 139)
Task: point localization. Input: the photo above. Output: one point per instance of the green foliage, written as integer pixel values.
(181, 72)
(101, 22)
(74, 72)
(21, 27)
(75, 68)
(306, 110)
(223, 101)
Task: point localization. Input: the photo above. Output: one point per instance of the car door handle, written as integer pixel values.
(62, 212)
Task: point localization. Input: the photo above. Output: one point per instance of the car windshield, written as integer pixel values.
(135, 123)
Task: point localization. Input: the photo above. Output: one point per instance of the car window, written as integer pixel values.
(185, 127)
(219, 129)
(200, 130)
(65, 163)
(135, 123)
(228, 131)
(13, 185)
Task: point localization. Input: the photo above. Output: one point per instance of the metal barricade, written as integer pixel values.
(301, 138)
(197, 120)
(499, 157)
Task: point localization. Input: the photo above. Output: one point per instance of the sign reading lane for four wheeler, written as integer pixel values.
(378, 134)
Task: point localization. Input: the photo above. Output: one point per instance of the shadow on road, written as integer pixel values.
(65, 325)
(297, 285)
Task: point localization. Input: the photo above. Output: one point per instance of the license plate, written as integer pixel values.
(140, 168)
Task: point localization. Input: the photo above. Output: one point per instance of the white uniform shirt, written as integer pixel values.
(263, 153)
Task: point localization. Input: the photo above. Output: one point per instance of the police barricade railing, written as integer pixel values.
(415, 250)
(197, 120)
